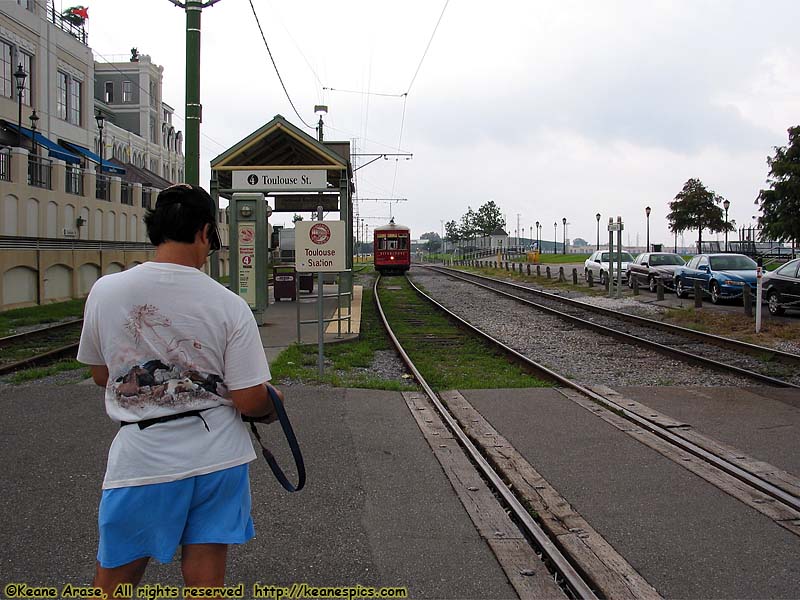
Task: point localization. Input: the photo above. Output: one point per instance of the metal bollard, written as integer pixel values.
(590, 279)
(506, 265)
(748, 301)
(574, 276)
(635, 283)
(529, 269)
(561, 278)
(538, 270)
(608, 283)
(659, 289)
(698, 295)
(547, 270)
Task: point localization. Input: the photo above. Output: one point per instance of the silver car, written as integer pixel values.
(597, 265)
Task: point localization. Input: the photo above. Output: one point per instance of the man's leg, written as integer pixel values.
(204, 564)
(109, 579)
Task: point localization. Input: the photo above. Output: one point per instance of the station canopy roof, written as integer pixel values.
(281, 144)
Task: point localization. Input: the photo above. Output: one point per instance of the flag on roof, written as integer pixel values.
(76, 15)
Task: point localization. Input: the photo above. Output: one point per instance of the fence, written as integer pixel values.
(103, 188)
(126, 194)
(5, 165)
(39, 172)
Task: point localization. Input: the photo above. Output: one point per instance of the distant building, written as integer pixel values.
(65, 220)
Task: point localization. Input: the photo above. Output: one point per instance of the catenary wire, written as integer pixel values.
(263, 37)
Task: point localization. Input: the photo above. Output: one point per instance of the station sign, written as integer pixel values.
(305, 202)
(319, 246)
(280, 180)
(247, 262)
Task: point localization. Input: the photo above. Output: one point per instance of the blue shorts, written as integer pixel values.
(153, 520)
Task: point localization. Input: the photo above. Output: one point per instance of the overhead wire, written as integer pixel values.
(285, 91)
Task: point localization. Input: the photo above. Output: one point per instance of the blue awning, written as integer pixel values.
(107, 167)
(54, 149)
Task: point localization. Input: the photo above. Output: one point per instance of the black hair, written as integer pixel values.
(180, 212)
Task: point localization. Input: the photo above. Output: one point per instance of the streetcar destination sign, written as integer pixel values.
(270, 180)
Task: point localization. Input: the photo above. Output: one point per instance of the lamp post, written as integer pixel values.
(555, 237)
(597, 216)
(726, 205)
(647, 212)
(538, 238)
(34, 119)
(20, 75)
(101, 121)
(564, 244)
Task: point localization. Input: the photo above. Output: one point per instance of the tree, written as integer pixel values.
(434, 241)
(468, 227)
(695, 207)
(451, 232)
(780, 205)
(488, 218)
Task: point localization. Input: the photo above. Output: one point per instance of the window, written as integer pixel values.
(75, 101)
(61, 95)
(152, 94)
(153, 129)
(127, 91)
(109, 92)
(6, 62)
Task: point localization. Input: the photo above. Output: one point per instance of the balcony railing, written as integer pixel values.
(74, 180)
(103, 188)
(5, 165)
(76, 31)
(126, 193)
(147, 198)
(39, 172)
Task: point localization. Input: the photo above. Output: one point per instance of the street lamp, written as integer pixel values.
(538, 237)
(555, 237)
(647, 212)
(726, 205)
(597, 216)
(564, 244)
(34, 119)
(101, 121)
(20, 75)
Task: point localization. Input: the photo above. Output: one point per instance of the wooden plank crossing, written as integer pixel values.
(524, 569)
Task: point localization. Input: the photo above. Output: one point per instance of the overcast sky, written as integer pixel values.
(553, 109)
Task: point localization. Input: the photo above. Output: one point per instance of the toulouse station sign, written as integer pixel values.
(280, 180)
(319, 246)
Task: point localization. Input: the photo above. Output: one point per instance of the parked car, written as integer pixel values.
(649, 267)
(781, 288)
(722, 276)
(597, 265)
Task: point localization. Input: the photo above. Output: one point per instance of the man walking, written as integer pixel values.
(181, 359)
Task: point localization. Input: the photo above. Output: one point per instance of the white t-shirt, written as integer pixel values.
(173, 340)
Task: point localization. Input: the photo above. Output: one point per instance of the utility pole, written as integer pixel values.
(194, 110)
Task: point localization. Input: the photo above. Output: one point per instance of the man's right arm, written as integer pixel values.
(255, 401)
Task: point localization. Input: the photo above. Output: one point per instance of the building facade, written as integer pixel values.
(67, 215)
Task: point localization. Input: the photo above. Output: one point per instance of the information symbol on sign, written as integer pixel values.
(252, 179)
(247, 260)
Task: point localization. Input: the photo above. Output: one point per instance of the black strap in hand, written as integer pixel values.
(293, 445)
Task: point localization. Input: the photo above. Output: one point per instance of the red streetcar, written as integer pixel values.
(392, 248)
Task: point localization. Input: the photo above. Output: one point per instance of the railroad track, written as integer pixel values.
(775, 494)
(39, 346)
(758, 363)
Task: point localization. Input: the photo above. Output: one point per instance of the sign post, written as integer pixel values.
(759, 274)
(320, 248)
(248, 251)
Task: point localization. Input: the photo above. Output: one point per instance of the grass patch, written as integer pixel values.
(733, 325)
(347, 364)
(40, 372)
(447, 356)
(11, 320)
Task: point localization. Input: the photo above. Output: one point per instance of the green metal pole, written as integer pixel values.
(193, 107)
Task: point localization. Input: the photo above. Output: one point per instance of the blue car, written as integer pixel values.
(721, 276)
